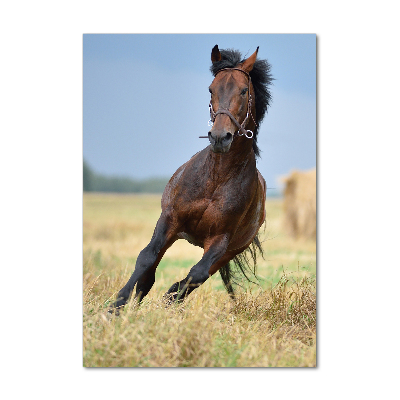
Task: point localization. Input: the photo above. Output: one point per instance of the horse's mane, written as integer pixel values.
(261, 79)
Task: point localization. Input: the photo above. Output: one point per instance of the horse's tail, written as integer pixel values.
(244, 264)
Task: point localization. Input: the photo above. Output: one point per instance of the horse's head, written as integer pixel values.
(232, 103)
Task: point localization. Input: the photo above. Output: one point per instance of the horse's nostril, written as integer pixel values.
(220, 137)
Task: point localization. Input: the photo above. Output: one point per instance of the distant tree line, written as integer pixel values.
(93, 182)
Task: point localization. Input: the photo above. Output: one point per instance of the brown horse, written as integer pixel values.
(217, 199)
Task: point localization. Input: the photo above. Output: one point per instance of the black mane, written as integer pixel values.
(261, 79)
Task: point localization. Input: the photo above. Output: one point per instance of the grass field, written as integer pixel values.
(270, 325)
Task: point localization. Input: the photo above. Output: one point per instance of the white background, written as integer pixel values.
(41, 211)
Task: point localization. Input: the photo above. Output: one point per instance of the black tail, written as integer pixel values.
(242, 266)
(226, 275)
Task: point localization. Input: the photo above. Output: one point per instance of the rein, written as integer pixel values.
(241, 127)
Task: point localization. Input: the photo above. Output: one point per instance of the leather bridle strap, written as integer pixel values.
(236, 69)
(240, 127)
(248, 133)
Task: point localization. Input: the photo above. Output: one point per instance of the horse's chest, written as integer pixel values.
(202, 219)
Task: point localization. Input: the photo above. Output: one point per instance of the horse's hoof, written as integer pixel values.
(168, 299)
(115, 309)
(118, 305)
(172, 298)
(112, 311)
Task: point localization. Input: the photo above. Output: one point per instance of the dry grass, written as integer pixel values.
(272, 325)
(268, 328)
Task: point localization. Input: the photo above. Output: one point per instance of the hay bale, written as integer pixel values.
(300, 204)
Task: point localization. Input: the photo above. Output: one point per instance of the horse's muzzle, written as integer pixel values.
(220, 142)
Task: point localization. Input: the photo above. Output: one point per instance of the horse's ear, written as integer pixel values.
(247, 65)
(215, 54)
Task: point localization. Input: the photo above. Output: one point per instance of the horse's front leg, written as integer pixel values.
(147, 261)
(214, 256)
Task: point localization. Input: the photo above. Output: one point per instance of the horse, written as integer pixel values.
(216, 200)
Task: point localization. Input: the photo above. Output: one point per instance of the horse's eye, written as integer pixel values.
(244, 91)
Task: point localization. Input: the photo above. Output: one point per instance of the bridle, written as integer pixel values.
(241, 127)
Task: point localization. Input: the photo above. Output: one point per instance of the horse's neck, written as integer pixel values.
(236, 161)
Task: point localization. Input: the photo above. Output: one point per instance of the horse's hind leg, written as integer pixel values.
(214, 255)
(147, 262)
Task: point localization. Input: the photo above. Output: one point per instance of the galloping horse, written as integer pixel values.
(216, 200)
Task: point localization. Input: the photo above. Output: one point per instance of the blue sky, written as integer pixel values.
(145, 101)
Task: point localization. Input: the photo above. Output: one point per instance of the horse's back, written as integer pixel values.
(262, 182)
